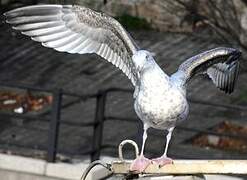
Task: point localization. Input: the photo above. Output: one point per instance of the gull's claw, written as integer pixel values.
(140, 164)
(162, 161)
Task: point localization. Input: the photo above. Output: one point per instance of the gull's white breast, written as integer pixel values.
(159, 103)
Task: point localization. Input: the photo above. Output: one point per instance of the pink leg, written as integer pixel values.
(163, 160)
(141, 163)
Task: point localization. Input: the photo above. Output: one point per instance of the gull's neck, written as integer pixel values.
(178, 80)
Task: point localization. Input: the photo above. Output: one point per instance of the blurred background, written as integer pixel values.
(69, 108)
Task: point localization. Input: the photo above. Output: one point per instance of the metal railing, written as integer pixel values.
(55, 113)
(99, 120)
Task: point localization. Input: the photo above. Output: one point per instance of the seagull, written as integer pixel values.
(160, 99)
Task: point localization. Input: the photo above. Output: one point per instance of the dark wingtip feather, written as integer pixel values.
(235, 55)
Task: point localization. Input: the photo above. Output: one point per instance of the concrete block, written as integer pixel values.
(22, 164)
(66, 171)
(12, 175)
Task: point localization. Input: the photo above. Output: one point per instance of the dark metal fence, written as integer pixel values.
(100, 118)
(54, 119)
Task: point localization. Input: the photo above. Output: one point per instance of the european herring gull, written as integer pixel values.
(160, 100)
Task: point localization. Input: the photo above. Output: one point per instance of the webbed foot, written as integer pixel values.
(140, 164)
(162, 161)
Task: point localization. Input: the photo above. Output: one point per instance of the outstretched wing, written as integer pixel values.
(221, 65)
(76, 29)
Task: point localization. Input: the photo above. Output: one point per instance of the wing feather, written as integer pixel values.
(101, 49)
(51, 37)
(77, 29)
(61, 42)
(34, 19)
(45, 31)
(41, 25)
(220, 64)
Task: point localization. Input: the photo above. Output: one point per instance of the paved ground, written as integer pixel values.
(23, 61)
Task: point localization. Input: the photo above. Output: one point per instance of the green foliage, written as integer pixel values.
(133, 23)
(242, 97)
(63, 1)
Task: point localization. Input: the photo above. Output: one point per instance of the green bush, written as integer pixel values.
(133, 23)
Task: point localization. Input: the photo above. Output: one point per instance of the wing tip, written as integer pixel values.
(6, 13)
(236, 54)
(228, 51)
(14, 12)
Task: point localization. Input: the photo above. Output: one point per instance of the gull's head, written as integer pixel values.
(142, 59)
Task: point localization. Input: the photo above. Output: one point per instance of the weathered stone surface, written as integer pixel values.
(169, 15)
(155, 12)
